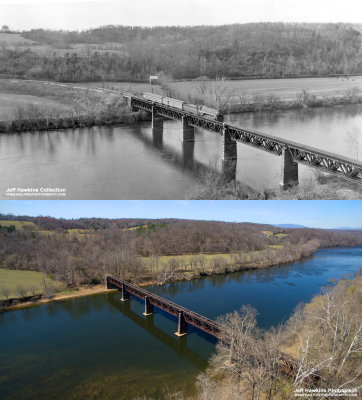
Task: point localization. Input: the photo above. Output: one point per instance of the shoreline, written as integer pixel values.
(88, 290)
(59, 123)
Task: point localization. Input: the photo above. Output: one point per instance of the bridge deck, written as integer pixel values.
(313, 157)
(191, 317)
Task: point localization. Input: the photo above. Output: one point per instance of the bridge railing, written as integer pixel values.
(311, 156)
(191, 317)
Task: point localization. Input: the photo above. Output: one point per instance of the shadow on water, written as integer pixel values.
(177, 344)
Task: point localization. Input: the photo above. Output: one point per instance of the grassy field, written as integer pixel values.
(45, 98)
(19, 225)
(285, 89)
(10, 279)
(30, 226)
(205, 261)
(11, 105)
(134, 87)
(15, 41)
(277, 235)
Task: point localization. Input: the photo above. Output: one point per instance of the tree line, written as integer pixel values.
(239, 50)
(107, 247)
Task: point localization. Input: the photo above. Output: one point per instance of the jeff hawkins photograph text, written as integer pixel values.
(180, 300)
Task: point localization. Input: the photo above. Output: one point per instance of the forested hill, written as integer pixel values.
(82, 251)
(133, 53)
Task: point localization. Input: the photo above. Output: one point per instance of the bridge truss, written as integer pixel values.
(312, 157)
(191, 317)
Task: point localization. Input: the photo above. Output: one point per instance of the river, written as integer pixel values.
(132, 162)
(97, 347)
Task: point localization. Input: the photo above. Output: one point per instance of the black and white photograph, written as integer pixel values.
(192, 99)
(180, 199)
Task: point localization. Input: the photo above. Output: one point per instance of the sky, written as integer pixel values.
(315, 214)
(84, 14)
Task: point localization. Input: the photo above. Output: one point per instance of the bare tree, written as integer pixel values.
(202, 85)
(5, 291)
(206, 387)
(353, 138)
(21, 291)
(221, 93)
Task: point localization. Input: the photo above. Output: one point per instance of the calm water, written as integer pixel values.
(132, 162)
(99, 348)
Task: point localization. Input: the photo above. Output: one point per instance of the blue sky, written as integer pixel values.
(319, 213)
(83, 14)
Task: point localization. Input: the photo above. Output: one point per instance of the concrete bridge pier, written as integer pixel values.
(131, 106)
(182, 325)
(188, 149)
(188, 131)
(289, 172)
(229, 157)
(124, 294)
(149, 309)
(157, 138)
(157, 121)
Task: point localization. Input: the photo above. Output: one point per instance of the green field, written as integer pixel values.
(205, 261)
(31, 226)
(19, 225)
(10, 279)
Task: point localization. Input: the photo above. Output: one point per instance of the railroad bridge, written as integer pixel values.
(292, 153)
(152, 300)
(185, 317)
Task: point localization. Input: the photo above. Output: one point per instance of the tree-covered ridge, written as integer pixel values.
(133, 53)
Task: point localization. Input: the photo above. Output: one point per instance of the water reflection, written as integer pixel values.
(177, 344)
(96, 344)
(138, 162)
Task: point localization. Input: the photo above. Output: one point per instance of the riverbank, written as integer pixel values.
(31, 301)
(48, 123)
(257, 260)
(322, 186)
(40, 105)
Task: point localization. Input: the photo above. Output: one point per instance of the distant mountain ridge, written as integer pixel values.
(289, 226)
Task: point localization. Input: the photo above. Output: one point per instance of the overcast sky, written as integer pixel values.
(318, 213)
(83, 14)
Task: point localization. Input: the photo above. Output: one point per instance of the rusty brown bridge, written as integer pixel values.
(151, 300)
(185, 316)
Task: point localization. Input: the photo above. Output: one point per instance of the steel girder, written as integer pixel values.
(206, 324)
(312, 157)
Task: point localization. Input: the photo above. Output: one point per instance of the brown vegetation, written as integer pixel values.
(323, 339)
(106, 247)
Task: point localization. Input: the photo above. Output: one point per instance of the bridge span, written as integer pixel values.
(286, 363)
(292, 153)
(152, 300)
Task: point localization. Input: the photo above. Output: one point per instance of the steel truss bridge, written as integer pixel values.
(286, 364)
(188, 316)
(299, 153)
